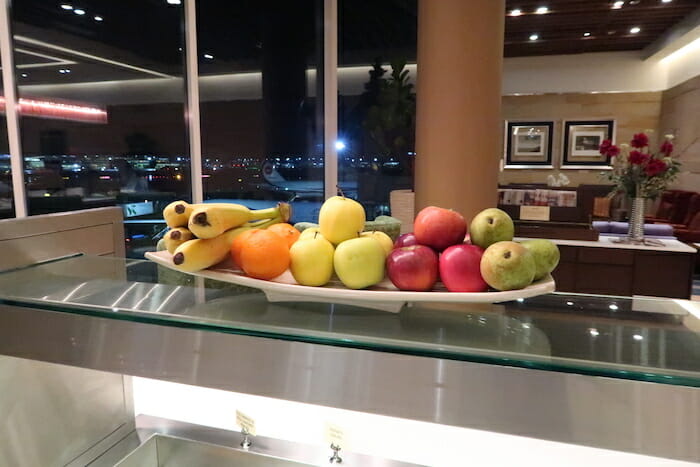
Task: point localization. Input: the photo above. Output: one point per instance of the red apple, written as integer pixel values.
(413, 268)
(407, 239)
(439, 228)
(460, 269)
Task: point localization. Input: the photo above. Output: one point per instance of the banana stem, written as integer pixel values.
(282, 210)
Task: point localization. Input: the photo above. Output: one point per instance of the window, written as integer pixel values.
(376, 107)
(102, 115)
(7, 208)
(261, 118)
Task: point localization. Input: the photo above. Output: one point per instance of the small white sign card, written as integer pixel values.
(534, 213)
(246, 422)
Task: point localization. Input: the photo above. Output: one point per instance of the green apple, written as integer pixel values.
(341, 219)
(546, 256)
(309, 233)
(490, 226)
(359, 262)
(311, 261)
(383, 239)
(508, 266)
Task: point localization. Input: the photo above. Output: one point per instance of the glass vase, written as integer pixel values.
(636, 227)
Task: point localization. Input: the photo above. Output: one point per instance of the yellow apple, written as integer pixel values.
(341, 219)
(309, 233)
(359, 262)
(383, 239)
(311, 261)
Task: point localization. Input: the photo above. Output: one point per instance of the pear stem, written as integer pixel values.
(315, 234)
(337, 187)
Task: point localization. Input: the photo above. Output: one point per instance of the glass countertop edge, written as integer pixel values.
(643, 375)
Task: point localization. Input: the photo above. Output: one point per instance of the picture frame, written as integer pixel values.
(528, 145)
(581, 140)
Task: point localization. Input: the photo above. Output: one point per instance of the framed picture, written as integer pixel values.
(528, 145)
(581, 142)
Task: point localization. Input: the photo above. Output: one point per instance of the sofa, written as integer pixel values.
(620, 229)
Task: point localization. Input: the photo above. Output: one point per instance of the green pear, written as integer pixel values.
(384, 240)
(546, 256)
(507, 266)
(311, 261)
(359, 262)
(341, 219)
(490, 226)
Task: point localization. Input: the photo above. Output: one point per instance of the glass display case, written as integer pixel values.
(618, 373)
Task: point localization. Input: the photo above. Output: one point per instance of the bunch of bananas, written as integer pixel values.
(200, 235)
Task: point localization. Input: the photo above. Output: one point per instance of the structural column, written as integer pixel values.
(458, 121)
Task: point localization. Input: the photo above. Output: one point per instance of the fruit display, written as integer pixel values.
(444, 251)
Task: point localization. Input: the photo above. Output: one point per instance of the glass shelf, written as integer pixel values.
(645, 339)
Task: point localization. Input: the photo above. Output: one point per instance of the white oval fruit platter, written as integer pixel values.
(383, 296)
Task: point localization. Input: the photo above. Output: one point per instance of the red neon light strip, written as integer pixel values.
(57, 110)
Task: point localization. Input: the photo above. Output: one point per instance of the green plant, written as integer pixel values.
(390, 120)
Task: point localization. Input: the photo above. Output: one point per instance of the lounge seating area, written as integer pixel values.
(679, 210)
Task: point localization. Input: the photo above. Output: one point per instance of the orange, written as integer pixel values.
(236, 247)
(264, 254)
(286, 231)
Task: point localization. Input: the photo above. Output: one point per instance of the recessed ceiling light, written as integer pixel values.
(542, 10)
(174, 2)
(66, 6)
(99, 18)
(618, 5)
(516, 12)
(79, 11)
(635, 30)
(534, 37)
(586, 34)
(209, 56)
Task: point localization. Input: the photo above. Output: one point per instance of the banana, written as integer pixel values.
(176, 237)
(201, 253)
(177, 213)
(212, 220)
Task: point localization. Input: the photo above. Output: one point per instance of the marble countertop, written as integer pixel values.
(674, 246)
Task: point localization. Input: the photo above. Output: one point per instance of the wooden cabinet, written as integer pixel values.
(618, 271)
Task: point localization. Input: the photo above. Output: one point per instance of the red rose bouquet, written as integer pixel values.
(637, 171)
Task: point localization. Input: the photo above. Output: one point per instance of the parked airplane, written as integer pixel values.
(302, 189)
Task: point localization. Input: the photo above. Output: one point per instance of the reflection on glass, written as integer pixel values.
(377, 102)
(101, 96)
(262, 123)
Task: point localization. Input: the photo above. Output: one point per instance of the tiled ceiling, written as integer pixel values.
(577, 26)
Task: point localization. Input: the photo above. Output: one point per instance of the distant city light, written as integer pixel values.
(79, 11)
(174, 2)
(24, 75)
(99, 18)
(66, 6)
(542, 10)
(635, 30)
(516, 12)
(340, 145)
(586, 34)
(64, 70)
(534, 37)
(618, 5)
(209, 56)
